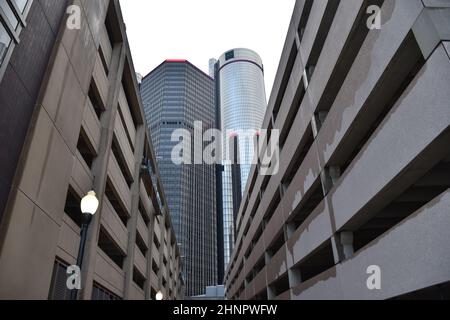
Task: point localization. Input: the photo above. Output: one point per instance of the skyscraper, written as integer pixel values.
(212, 67)
(239, 77)
(176, 95)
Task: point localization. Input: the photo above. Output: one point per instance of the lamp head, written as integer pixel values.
(89, 204)
(159, 296)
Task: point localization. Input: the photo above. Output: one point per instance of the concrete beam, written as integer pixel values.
(432, 27)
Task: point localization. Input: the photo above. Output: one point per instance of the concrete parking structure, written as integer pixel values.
(364, 171)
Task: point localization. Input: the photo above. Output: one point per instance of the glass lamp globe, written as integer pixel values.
(89, 204)
(159, 296)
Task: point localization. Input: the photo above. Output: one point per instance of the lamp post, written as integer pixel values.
(89, 205)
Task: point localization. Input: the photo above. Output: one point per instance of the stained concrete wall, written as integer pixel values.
(366, 136)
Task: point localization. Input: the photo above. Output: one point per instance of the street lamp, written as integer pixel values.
(89, 205)
(159, 296)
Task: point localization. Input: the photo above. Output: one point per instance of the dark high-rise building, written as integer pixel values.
(359, 208)
(176, 95)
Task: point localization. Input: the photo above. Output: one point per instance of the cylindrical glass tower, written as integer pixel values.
(243, 103)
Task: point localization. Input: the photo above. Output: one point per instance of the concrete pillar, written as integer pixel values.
(100, 168)
(305, 79)
(301, 33)
(330, 176)
(151, 234)
(153, 221)
(271, 295)
(144, 173)
(347, 244)
(297, 40)
(132, 222)
(272, 121)
(283, 189)
(310, 72)
(289, 230)
(162, 225)
(342, 244)
(295, 277)
(167, 268)
(317, 121)
(267, 257)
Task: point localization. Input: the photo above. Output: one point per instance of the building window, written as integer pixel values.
(138, 279)
(12, 21)
(58, 286)
(110, 248)
(95, 99)
(85, 148)
(100, 293)
(229, 55)
(72, 206)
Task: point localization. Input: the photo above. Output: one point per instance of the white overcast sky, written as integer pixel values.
(198, 30)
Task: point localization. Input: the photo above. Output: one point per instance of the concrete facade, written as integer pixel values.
(86, 131)
(363, 185)
(21, 74)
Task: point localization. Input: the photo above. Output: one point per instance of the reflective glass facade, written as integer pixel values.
(175, 95)
(243, 105)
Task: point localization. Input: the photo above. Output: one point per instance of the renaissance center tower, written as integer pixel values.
(239, 76)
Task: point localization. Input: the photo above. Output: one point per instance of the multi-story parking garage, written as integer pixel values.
(72, 121)
(364, 117)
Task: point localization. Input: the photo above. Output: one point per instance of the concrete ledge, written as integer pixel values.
(409, 129)
(412, 256)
